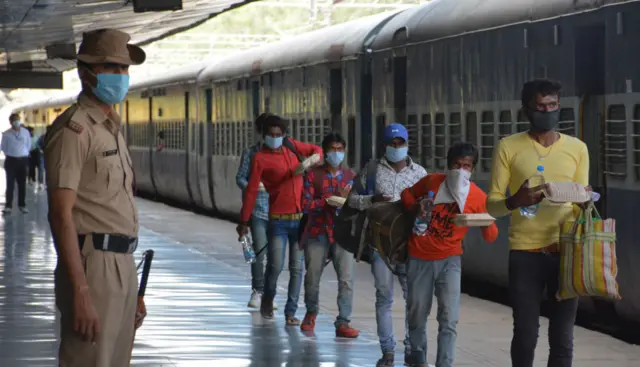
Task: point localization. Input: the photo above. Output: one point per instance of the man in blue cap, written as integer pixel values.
(393, 173)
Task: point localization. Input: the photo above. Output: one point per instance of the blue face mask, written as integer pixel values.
(111, 88)
(273, 143)
(334, 158)
(396, 154)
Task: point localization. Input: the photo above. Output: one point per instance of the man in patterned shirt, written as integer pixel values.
(332, 179)
(395, 172)
(259, 218)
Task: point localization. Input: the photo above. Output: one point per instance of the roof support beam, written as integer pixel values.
(30, 79)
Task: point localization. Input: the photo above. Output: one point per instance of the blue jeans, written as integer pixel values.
(281, 231)
(424, 278)
(315, 253)
(259, 229)
(384, 280)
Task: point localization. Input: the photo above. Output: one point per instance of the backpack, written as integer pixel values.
(390, 226)
(350, 228)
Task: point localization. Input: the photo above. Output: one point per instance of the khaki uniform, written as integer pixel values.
(85, 152)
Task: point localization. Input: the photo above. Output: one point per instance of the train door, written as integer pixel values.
(400, 89)
(255, 98)
(187, 119)
(206, 137)
(590, 86)
(335, 99)
(366, 111)
(151, 144)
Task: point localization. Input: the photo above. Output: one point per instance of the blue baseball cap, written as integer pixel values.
(393, 131)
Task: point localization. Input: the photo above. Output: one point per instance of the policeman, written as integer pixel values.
(92, 211)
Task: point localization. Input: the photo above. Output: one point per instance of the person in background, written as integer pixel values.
(40, 147)
(280, 171)
(335, 180)
(534, 259)
(16, 143)
(35, 161)
(259, 217)
(395, 172)
(435, 265)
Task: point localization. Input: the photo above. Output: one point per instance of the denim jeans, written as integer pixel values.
(424, 278)
(315, 254)
(259, 229)
(281, 231)
(384, 280)
(529, 274)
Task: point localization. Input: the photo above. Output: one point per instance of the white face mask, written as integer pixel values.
(458, 183)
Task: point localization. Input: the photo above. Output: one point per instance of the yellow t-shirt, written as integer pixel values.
(514, 160)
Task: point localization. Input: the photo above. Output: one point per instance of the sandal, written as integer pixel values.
(292, 321)
(386, 360)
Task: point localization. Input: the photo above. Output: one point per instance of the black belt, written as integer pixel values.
(111, 242)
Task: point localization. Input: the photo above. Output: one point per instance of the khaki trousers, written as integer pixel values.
(112, 280)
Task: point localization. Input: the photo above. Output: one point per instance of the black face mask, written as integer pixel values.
(544, 121)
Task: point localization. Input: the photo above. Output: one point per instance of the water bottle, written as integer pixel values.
(535, 180)
(422, 223)
(247, 250)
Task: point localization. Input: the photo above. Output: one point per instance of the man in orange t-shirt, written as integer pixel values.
(434, 264)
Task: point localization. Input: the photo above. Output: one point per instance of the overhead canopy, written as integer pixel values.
(39, 38)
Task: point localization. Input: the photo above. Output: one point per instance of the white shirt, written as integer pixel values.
(16, 143)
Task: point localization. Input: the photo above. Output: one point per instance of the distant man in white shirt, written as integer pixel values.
(15, 145)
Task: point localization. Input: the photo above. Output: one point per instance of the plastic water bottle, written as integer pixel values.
(422, 223)
(535, 180)
(247, 250)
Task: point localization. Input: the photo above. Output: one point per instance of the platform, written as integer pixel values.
(197, 315)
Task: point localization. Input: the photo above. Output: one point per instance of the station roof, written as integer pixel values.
(39, 38)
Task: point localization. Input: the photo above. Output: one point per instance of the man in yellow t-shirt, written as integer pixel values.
(534, 260)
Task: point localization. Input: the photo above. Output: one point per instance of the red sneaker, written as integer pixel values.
(346, 331)
(309, 322)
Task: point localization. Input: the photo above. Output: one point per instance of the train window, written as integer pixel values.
(160, 112)
(302, 131)
(615, 142)
(440, 153)
(472, 128)
(455, 128)
(636, 140)
(293, 131)
(318, 128)
(487, 126)
(327, 129)
(414, 137)
(381, 122)
(426, 152)
(504, 125)
(351, 141)
(567, 124)
(523, 122)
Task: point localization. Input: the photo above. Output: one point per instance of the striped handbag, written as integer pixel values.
(588, 257)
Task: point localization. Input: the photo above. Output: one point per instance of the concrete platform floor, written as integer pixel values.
(197, 315)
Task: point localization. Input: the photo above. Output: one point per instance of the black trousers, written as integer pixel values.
(529, 274)
(34, 158)
(16, 172)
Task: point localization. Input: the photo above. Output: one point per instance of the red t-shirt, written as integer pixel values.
(443, 238)
(275, 169)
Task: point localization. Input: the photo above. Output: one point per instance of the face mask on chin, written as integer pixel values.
(544, 121)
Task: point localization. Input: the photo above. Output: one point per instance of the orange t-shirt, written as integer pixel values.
(443, 238)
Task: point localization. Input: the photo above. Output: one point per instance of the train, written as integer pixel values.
(449, 70)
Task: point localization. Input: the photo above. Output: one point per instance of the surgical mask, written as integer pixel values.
(15, 123)
(111, 88)
(458, 182)
(273, 143)
(334, 158)
(396, 154)
(544, 121)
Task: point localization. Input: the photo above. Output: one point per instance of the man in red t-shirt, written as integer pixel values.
(434, 264)
(280, 171)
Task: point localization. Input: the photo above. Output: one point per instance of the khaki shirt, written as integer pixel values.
(85, 152)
